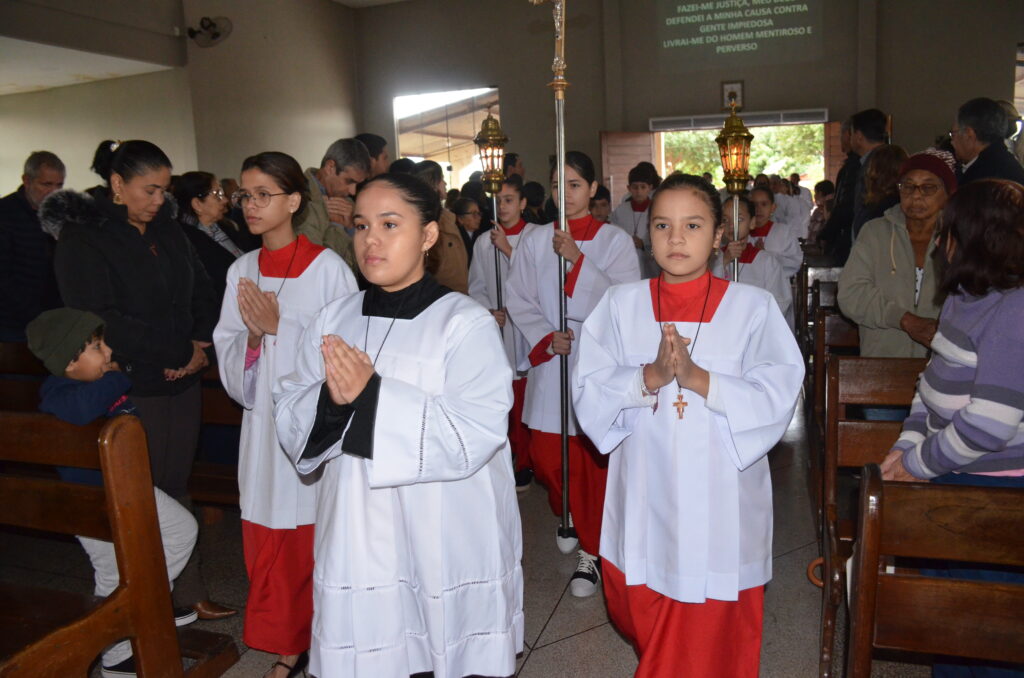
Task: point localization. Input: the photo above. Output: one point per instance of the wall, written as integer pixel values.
(283, 80)
(435, 45)
(71, 121)
(652, 90)
(936, 54)
(146, 31)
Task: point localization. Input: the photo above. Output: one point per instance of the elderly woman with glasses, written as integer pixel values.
(888, 284)
(202, 207)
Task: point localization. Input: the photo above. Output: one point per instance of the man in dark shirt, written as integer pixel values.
(27, 282)
(977, 139)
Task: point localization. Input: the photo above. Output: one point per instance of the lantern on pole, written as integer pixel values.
(491, 142)
(734, 147)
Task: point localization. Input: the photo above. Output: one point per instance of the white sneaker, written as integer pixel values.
(567, 544)
(585, 579)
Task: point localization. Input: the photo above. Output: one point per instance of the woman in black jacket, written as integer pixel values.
(218, 241)
(121, 254)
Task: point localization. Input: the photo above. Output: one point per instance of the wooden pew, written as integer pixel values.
(21, 375)
(833, 333)
(849, 444)
(50, 633)
(812, 269)
(903, 610)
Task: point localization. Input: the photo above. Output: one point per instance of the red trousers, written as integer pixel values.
(588, 471)
(279, 610)
(713, 639)
(518, 433)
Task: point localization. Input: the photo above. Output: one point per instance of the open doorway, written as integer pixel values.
(441, 126)
(776, 149)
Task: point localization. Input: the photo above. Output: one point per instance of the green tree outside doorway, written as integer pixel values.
(780, 149)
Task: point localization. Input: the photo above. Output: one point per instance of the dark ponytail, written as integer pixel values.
(129, 159)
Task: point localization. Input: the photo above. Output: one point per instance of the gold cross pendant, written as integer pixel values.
(680, 404)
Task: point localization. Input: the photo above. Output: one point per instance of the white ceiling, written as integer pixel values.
(31, 66)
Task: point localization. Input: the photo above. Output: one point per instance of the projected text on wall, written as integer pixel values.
(695, 34)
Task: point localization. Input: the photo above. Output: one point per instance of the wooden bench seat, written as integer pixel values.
(849, 444)
(896, 609)
(59, 633)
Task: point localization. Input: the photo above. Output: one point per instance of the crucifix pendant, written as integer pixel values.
(680, 404)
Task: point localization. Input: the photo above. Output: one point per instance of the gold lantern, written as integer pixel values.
(491, 142)
(734, 146)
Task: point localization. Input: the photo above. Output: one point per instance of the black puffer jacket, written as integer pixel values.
(150, 288)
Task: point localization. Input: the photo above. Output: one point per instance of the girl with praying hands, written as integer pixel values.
(399, 400)
(272, 293)
(687, 381)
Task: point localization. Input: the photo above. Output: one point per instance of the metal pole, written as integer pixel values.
(735, 234)
(497, 262)
(558, 85)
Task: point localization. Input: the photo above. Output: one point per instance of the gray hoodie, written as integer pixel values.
(877, 286)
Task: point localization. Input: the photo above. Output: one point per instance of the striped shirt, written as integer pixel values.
(967, 413)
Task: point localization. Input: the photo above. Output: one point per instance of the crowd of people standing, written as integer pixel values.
(393, 405)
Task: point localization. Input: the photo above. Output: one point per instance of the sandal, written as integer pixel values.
(296, 670)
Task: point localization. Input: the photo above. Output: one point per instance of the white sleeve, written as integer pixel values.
(756, 407)
(230, 341)
(296, 396)
(607, 396)
(523, 302)
(789, 252)
(450, 435)
(481, 272)
(592, 281)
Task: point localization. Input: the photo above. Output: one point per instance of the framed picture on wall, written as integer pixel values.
(730, 90)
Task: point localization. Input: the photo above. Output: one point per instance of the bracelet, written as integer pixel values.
(643, 383)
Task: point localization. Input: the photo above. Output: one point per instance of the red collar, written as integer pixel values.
(290, 261)
(749, 253)
(640, 206)
(582, 229)
(762, 231)
(682, 302)
(516, 229)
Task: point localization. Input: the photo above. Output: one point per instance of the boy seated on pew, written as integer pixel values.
(85, 385)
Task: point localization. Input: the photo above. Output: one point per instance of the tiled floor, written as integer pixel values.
(565, 636)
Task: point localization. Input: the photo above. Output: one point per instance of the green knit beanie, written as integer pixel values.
(56, 336)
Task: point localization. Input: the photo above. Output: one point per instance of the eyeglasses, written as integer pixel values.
(927, 190)
(261, 198)
(217, 193)
(954, 132)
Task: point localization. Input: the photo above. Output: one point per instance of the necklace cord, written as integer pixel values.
(366, 334)
(700, 319)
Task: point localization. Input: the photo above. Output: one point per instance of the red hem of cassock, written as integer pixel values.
(279, 609)
(713, 639)
(588, 473)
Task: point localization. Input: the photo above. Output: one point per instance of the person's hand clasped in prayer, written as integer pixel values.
(347, 368)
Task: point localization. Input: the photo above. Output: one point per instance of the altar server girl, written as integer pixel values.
(777, 237)
(757, 267)
(271, 294)
(600, 255)
(400, 398)
(483, 281)
(687, 381)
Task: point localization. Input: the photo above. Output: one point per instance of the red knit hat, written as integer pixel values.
(938, 162)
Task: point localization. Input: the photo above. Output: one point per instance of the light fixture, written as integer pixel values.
(491, 142)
